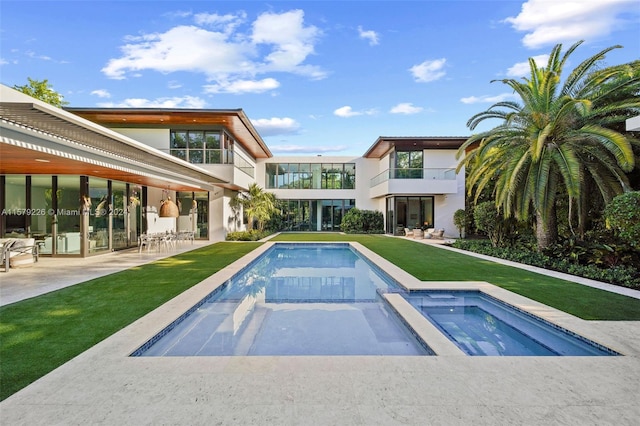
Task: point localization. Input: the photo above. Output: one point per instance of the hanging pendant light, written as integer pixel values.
(167, 207)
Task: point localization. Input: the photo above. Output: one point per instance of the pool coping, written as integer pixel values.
(427, 332)
(104, 385)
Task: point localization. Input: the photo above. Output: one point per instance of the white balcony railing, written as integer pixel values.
(415, 174)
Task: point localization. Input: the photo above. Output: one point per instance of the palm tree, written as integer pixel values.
(258, 205)
(556, 139)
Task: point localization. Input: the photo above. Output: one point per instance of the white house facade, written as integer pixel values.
(83, 181)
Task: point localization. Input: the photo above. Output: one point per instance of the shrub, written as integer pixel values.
(460, 220)
(252, 235)
(357, 221)
(623, 215)
(622, 275)
(489, 219)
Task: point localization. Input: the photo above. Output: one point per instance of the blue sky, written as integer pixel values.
(315, 77)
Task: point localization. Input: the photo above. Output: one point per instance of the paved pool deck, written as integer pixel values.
(105, 386)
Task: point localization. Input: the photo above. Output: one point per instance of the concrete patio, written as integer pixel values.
(105, 386)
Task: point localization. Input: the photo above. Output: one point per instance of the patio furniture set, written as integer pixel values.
(428, 233)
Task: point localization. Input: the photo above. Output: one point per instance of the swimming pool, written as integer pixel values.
(328, 299)
(481, 325)
(295, 299)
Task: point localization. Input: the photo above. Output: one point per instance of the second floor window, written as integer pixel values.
(198, 146)
(408, 164)
(311, 175)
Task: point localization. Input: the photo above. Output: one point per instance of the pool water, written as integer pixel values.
(483, 326)
(296, 299)
(325, 299)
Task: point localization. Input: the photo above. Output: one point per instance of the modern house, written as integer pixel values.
(83, 181)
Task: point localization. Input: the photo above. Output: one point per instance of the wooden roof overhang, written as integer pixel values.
(384, 144)
(234, 121)
(37, 138)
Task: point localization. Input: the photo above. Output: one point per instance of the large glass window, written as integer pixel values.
(198, 146)
(68, 215)
(305, 176)
(349, 176)
(98, 215)
(310, 176)
(213, 149)
(135, 213)
(41, 206)
(15, 206)
(119, 199)
(178, 144)
(228, 149)
(314, 215)
(408, 165)
(202, 214)
(411, 212)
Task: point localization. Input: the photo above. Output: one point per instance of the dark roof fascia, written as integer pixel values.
(384, 144)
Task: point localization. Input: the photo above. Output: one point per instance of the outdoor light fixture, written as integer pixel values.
(167, 207)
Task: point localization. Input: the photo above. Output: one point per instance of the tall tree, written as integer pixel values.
(42, 90)
(555, 139)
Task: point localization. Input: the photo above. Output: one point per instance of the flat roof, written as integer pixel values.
(235, 121)
(384, 144)
(64, 143)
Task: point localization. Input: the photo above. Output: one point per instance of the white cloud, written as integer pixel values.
(429, 70)
(292, 42)
(274, 43)
(551, 22)
(405, 108)
(370, 35)
(243, 86)
(101, 93)
(173, 84)
(227, 23)
(346, 112)
(191, 102)
(275, 126)
(182, 48)
(297, 149)
(488, 99)
(522, 69)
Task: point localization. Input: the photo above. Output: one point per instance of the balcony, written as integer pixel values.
(414, 181)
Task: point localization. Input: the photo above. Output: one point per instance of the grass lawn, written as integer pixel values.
(40, 334)
(37, 335)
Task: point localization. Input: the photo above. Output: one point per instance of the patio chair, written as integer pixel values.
(147, 241)
(439, 234)
(20, 252)
(408, 232)
(428, 233)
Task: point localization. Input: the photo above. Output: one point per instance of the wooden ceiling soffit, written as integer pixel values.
(234, 121)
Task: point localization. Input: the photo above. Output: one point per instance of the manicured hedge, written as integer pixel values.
(622, 275)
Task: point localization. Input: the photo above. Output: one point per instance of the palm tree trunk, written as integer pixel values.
(546, 233)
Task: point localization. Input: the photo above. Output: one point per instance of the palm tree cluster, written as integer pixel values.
(258, 206)
(562, 140)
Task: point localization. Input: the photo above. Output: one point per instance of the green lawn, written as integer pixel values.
(40, 334)
(37, 335)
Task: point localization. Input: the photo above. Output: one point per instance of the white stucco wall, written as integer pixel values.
(155, 138)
